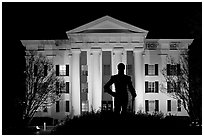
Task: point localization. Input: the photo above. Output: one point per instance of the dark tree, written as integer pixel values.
(181, 86)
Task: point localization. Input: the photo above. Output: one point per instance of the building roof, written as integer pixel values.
(107, 24)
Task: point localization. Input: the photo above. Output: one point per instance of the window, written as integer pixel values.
(168, 105)
(151, 45)
(157, 105)
(57, 70)
(84, 70)
(151, 69)
(173, 69)
(179, 105)
(57, 87)
(173, 87)
(129, 70)
(62, 70)
(84, 87)
(35, 87)
(67, 106)
(151, 87)
(67, 87)
(45, 70)
(61, 87)
(35, 70)
(110, 105)
(104, 106)
(174, 45)
(146, 105)
(107, 105)
(85, 106)
(170, 87)
(151, 105)
(107, 70)
(41, 47)
(57, 106)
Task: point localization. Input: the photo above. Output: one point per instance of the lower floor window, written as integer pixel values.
(107, 105)
(151, 105)
(85, 106)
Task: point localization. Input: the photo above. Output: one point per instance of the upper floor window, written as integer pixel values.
(67, 87)
(151, 69)
(84, 70)
(41, 47)
(173, 69)
(129, 70)
(84, 87)
(152, 45)
(107, 70)
(151, 87)
(174, 45)
(45, 70)
(62, 70)
(36, 71)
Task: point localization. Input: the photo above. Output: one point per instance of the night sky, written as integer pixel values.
(34, 21)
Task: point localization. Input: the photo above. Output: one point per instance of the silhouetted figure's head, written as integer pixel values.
(121, 68)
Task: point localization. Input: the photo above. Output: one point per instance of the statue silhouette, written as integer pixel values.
(122, 84)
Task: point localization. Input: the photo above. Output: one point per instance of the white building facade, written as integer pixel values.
(88, 58)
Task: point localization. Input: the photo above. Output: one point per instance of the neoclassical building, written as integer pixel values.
(89, 56)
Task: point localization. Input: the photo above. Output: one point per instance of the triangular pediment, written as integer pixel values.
(107, 24)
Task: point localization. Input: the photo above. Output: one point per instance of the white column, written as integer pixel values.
(90, 70)
(139, 79)
(96, 79)
(75, 81)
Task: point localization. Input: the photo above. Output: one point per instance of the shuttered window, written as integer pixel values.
(151, 87)
(67, 106)
(35, 70)
(57, 70)
(168, 105)
(57, 106)
(67, 87)
(45, 70)
(151, 70)
(146, 105)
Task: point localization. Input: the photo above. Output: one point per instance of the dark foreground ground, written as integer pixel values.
(107, 123)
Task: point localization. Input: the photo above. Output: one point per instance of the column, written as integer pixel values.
(75, 81)
(90, 70)
(96, 79)
(139, 79)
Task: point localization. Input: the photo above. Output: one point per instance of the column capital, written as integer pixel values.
(136, 49)
(96, 50)
(76, 50)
